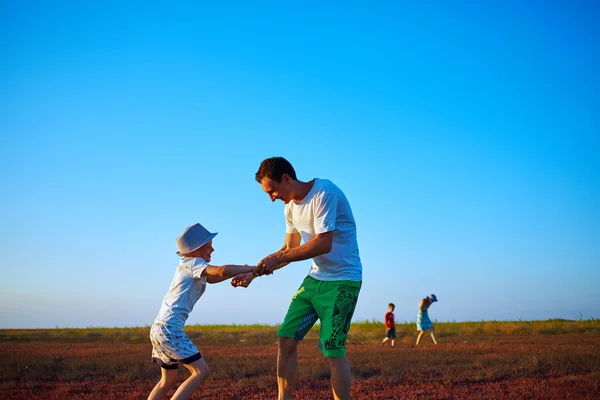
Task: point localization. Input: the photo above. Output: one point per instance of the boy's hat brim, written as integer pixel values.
(192, 238)
(212, 235)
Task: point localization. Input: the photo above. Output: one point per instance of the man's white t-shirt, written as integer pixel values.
(187, 287)
(324, 209)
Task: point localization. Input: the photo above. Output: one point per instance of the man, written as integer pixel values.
(318, 213)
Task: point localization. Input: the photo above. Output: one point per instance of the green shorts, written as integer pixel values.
(332, 302)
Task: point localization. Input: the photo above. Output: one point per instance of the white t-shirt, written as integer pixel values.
(186, 288)
(324, 209)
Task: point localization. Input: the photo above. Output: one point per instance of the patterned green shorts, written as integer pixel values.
(332, 302)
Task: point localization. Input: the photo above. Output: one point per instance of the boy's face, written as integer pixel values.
(391, 308)
(205, 251)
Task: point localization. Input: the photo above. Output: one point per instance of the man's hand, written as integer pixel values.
(268, 264)
(242, 279)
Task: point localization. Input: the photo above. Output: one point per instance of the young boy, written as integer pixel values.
(389, 325)
(170, 345)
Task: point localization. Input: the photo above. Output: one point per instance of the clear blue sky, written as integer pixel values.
(466, 137)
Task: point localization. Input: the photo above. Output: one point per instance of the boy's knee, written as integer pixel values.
(199, 368)
(167, 382)
(205, 370)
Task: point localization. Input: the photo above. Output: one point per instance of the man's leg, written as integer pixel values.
(300, 317)
(335, 303)
(340, 377)
(385, 340)
(287, 367)
(167, 381)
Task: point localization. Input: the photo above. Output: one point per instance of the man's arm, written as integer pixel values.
(291, 241)
(319, 245)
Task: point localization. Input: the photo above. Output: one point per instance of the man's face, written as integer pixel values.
(205, 251)
(275, 190)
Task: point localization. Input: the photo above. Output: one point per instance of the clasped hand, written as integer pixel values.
(266, 266)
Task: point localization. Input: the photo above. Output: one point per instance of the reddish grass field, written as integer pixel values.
(114, 364)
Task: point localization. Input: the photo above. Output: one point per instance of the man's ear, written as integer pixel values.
(286, 178)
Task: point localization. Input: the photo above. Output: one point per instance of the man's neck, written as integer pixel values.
(303, 188)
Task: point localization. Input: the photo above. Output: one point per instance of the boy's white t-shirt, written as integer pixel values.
(324, 209)
(187, 287)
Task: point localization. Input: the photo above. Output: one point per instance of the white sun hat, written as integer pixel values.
(192, 238)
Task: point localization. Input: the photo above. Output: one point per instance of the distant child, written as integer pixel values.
(389, 325)
(170, 345)
(423, 321)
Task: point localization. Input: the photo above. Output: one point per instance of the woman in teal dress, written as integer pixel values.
(423, 321)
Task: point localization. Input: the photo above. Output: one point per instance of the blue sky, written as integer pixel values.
(466, 137)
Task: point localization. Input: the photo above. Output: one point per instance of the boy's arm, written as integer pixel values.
(225, 271)
(216, 279)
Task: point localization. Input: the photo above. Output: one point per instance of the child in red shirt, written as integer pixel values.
(389, 325)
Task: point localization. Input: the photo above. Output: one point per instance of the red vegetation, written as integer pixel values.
(565, 366)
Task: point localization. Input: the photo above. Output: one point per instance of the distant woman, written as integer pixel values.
(423, 321)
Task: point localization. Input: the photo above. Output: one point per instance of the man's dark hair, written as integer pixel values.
(392, 305)
(274, 168)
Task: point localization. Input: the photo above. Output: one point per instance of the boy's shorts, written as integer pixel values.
(391, 333)
(333, 302)
(171, 346)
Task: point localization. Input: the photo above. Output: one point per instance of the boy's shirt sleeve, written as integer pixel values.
(198, 267)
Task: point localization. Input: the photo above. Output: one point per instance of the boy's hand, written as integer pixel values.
(242, 279)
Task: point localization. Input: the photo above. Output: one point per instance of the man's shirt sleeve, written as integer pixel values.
(325, 212)
(289, 226)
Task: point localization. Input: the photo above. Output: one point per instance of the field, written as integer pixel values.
(553, 359)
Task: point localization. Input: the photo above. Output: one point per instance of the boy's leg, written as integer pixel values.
(393, 342)
(287, 367)
(340, 378)
(167, 381)
(199, 371)
(385, 340)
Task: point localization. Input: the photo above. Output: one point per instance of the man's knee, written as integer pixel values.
(337, 360)
(287, 345)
